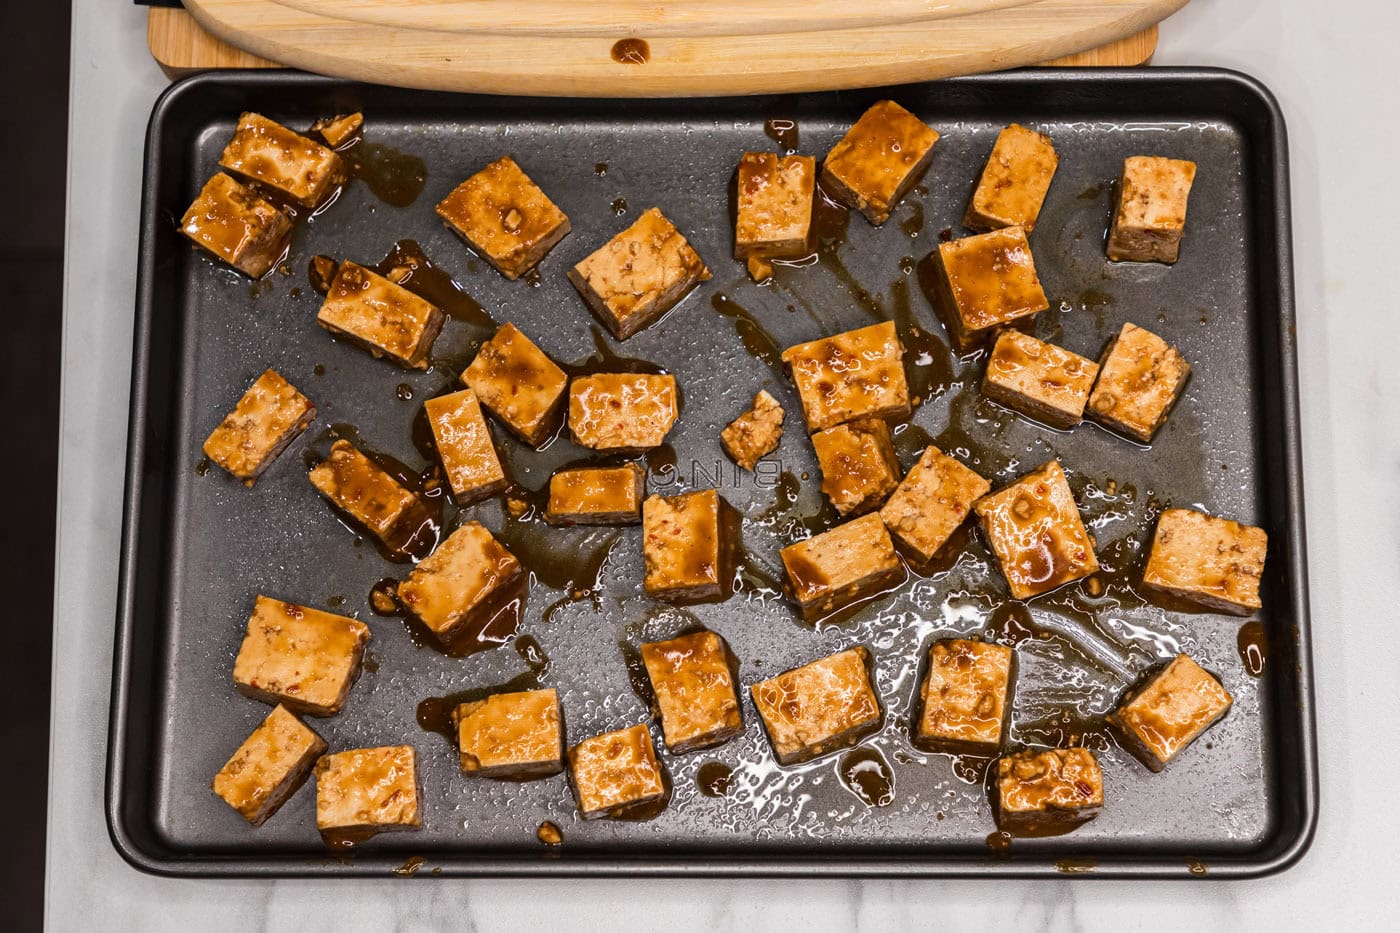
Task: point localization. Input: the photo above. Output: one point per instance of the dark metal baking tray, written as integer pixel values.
(196, 546)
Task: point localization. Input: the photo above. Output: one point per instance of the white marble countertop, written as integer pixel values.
(1340, 100)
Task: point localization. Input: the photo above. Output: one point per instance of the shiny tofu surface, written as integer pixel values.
(238, 225)
(267, 418)
(686, 546)
(1213, 562)
(1045, 382)
(339, 130)
(1140, 378)
(835, 568)
(622, 411)
(879, 160)
(774, 213)
(504, 217)
(384, 318)
(933, 499)
(1014, 181)
(856, 374)
(365, 791)
(518, 384)
(300, 657)
(818, 708)
(511, 735)
(465, 446)
(616, 773)
(1169, 711)
(460, 580)
(693, 683)
(965, 699)
(1046, 788)
(986, 282)
(296, 167)
(756, 433)
(270, 765)
(596, 496)
(1150, 218)
(368, 495)
(1034, 528)
(858, 463)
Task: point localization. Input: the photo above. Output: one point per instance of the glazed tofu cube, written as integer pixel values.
(622, 412)
(858, 463)
(774, 205)
(369, 496)
(465, 445)
(1014, 182)
(692, 679)
(1034, 528)
(1169, 711)
(1151, 214)
(932, 500)
(300, 657)
(857, 374)
(754, 434)
(1046, 789)
(1140, 378)
(617, 774)
(1040, 380)
(504, 217)
(269, 766)
(238, 225)
(339, 130)
(837, 567)
(596, 496)
(984, 283)
(511, 735)
(879, 159)
(639, 275)
(965, 700)
(366, 791)
(297, 168)
(266, 419)
(518, 384)
(818, 708)
(461, 581)
(687, 544)
(382, 317)
(1213, 562)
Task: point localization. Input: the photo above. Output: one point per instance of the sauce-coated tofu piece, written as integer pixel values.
(1151, 215)
(465, 446)
(932, 500)
(340, 129)
(1035, 530)
(300, 657)
(1213, 562)
(238, 225)
(858, 463)
(1039, 790)
(511, 735)
(1169, 711)
(381, 316)
(686, 542)
(879, 159)
(986, 282)
(596, 496)
(965, 700)
(366, 791)
(460, 580)
(294, 166)
(818, 708)
(504, 217)
(838, 567)
(774, 205)
(1014, 182)
(622, 411)
(269, 766)
(266, 419)
(518, 384)
(754, 434)
(1140, 378)
(693, 681)
(639, 275)
(368, 495)
(617, 773)
(1038, 379)
(856, 374)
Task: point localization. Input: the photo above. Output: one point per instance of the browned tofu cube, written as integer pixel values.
(238, 225)
(596, 496)
(687, 544)
(617, 774)
(1034, 528)
(857, 374)
(1213, 562)
(984, 283)
(461, 581)
(858, 463)
(754, 434)
(1042, 790)
(965, 700)
(300, 657)
(366, 791)
(297, 168)
(504, 217)
(774, 205)
(879, 159)
(1038, 379)
(1140, 378)
(511, 735)
(1014, 182)
(339, 130)
(465, 445)
(384, 318)
(837, 567)
(369, 496)
(1151, 215)
(266, 419)
(692, 679)
(932, 500)
(818, 708)
(639, 275)
(1168, 711)
(269, 766)
(622, 412)
(518, 384)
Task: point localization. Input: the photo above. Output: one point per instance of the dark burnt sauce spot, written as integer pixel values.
(618, 206)
(913, 224)
(1253, 641)
(784, 132)
(600, 169)
(866, 774)
(409, 266)
(999, 842)
(394, 177)
(631, 52)
(202, 467)
(434, 714)
(532, 653)
(714, 778)
(757, 340)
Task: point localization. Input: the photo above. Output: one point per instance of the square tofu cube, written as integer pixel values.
(1140, 378)
(596, 496)
(754, 434)
(1014, 181)
(269, 766)
(339, 129)
(1169, 711)
(297, 168)
(837, 567)
(639, 275)
(300, 657)
(687, 545)
(1046, 789)
(932, 500)
(617, 774)
(1151, 214)
(1213, 562)
(622, 412)
(774, 205)
(1034, 528)
(504, 217)
(366, 791)
(465, 446)
(986, 282)
(511, 735)
(879, 159)
(818, 708)
(965, 700)
(266, 419)
(692, 679)
(461, 581)
(238, 225)
(382, 317)
(518, 384)
(367, 495)
(858, 463)
(857, 374)
(1038, 379)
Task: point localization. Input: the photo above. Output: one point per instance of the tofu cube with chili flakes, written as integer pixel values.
(1168, 711)
(754, 434)
(465, 446)
(1014, 181)
(1213, 562)
(1140, 378)
(460, 582)
(266, 419)
(837, 567)
(366, 791)
(297, 168)
(858, 463)
(381, 316)
(518, 384)
(986, 282)
(617, 774)
(511, 735)
(639, 275)
(856, 374)
(879, 160)
(339, 130)
(818, 708)
(1042, 789)
(1034, 528)
(622, 412)
(687, 546)
(300, 657)
(238, 225)
(269, 766)
(932, 500)
(692, 680)
(369, 496)
(965, 699)
(1150, 218)
(774, 213)
(596, 496)
(504, 217)
(1038, 379)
